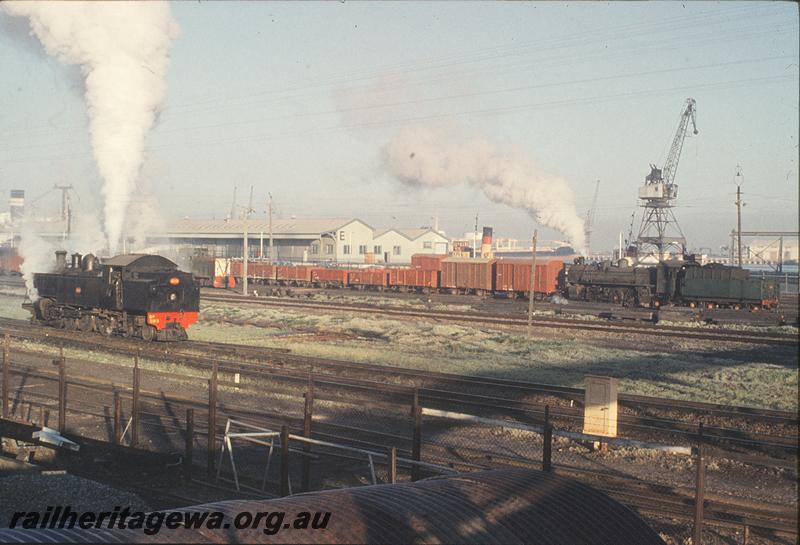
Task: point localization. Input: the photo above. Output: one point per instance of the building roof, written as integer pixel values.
(297, 228)
(410, 234)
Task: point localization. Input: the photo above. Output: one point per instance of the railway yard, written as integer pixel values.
(399, 272)
(466, 385)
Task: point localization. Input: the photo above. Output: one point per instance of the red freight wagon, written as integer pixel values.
(260, 270)
(514, 276)
(414, 278)
(374, 278)
(428, 262)
(468, 275)
(329, 277)
(290, 274)
(10, 261)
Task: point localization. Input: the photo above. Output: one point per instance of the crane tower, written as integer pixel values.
(659, 232)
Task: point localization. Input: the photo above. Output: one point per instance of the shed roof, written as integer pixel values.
(280, 227)
(511, 506)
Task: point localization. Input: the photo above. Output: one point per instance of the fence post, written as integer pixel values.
(416, 447)
(284, 460)
(62, 391)
(212, 420)
(135, 402)
(393, 465)
(117, 418)
(700, 485)
(6, 372)
(189, 446)
(308, 415)
(547, 448)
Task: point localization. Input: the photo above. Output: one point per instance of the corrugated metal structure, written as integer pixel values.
(514, 275)
(428, 262)
(375, 278)
(300, 274)
(512, 506)
(414, 278)
(329, 277)
(468, 275)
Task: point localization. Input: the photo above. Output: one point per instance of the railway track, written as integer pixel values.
(683, 332)
(659, 500)
(740, 427)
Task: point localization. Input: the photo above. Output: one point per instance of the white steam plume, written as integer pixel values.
(37, 257)
(430, 157)
(122, 49)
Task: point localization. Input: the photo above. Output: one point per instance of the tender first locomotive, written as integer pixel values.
(678, 282)
(134, 295)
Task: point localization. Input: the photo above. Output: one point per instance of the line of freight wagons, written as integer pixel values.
(427, 273)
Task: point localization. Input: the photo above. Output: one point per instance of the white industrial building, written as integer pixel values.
(335, 240)
(398, 245)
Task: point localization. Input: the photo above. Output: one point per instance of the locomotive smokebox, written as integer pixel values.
(486, 242)
(61, 260)
(76, 260)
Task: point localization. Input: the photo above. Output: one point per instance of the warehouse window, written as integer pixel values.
(377, 250)
(396, 250)
(329, 249)
(346, 249)
(362, 249)
(427, 245)
(315, 249)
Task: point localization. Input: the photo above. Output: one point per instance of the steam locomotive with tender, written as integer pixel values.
(133, 295)
(678, 282)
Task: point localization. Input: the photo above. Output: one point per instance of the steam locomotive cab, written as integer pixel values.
(134, 295)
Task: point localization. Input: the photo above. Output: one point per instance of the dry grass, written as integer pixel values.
(686, 373)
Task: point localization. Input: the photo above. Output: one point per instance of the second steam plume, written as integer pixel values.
(122, 49)
(424, 156)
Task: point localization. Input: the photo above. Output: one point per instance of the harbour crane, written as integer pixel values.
(659, 231)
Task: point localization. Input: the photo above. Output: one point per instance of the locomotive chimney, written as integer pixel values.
(61, 260)
(76, 260)
(486, 242)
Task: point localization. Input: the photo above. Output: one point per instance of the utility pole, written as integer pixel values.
(533, 283)
(271, 247)
(245, 251)
(475, 238)
(66, 209)
(245, 241)
(738, 179)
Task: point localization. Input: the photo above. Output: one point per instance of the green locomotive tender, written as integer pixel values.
(677, 282)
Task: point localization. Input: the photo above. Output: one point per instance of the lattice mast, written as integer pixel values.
(659, 232)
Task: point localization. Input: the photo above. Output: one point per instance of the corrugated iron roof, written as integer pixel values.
(511, 506)
(305, 226)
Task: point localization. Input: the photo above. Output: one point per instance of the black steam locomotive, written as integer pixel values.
(134, 295)
(677, 282)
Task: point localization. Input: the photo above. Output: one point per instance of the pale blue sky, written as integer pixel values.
(298, 99)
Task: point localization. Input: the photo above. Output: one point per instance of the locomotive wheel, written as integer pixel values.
(148, 333)
(85, 323)
(106, 327)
